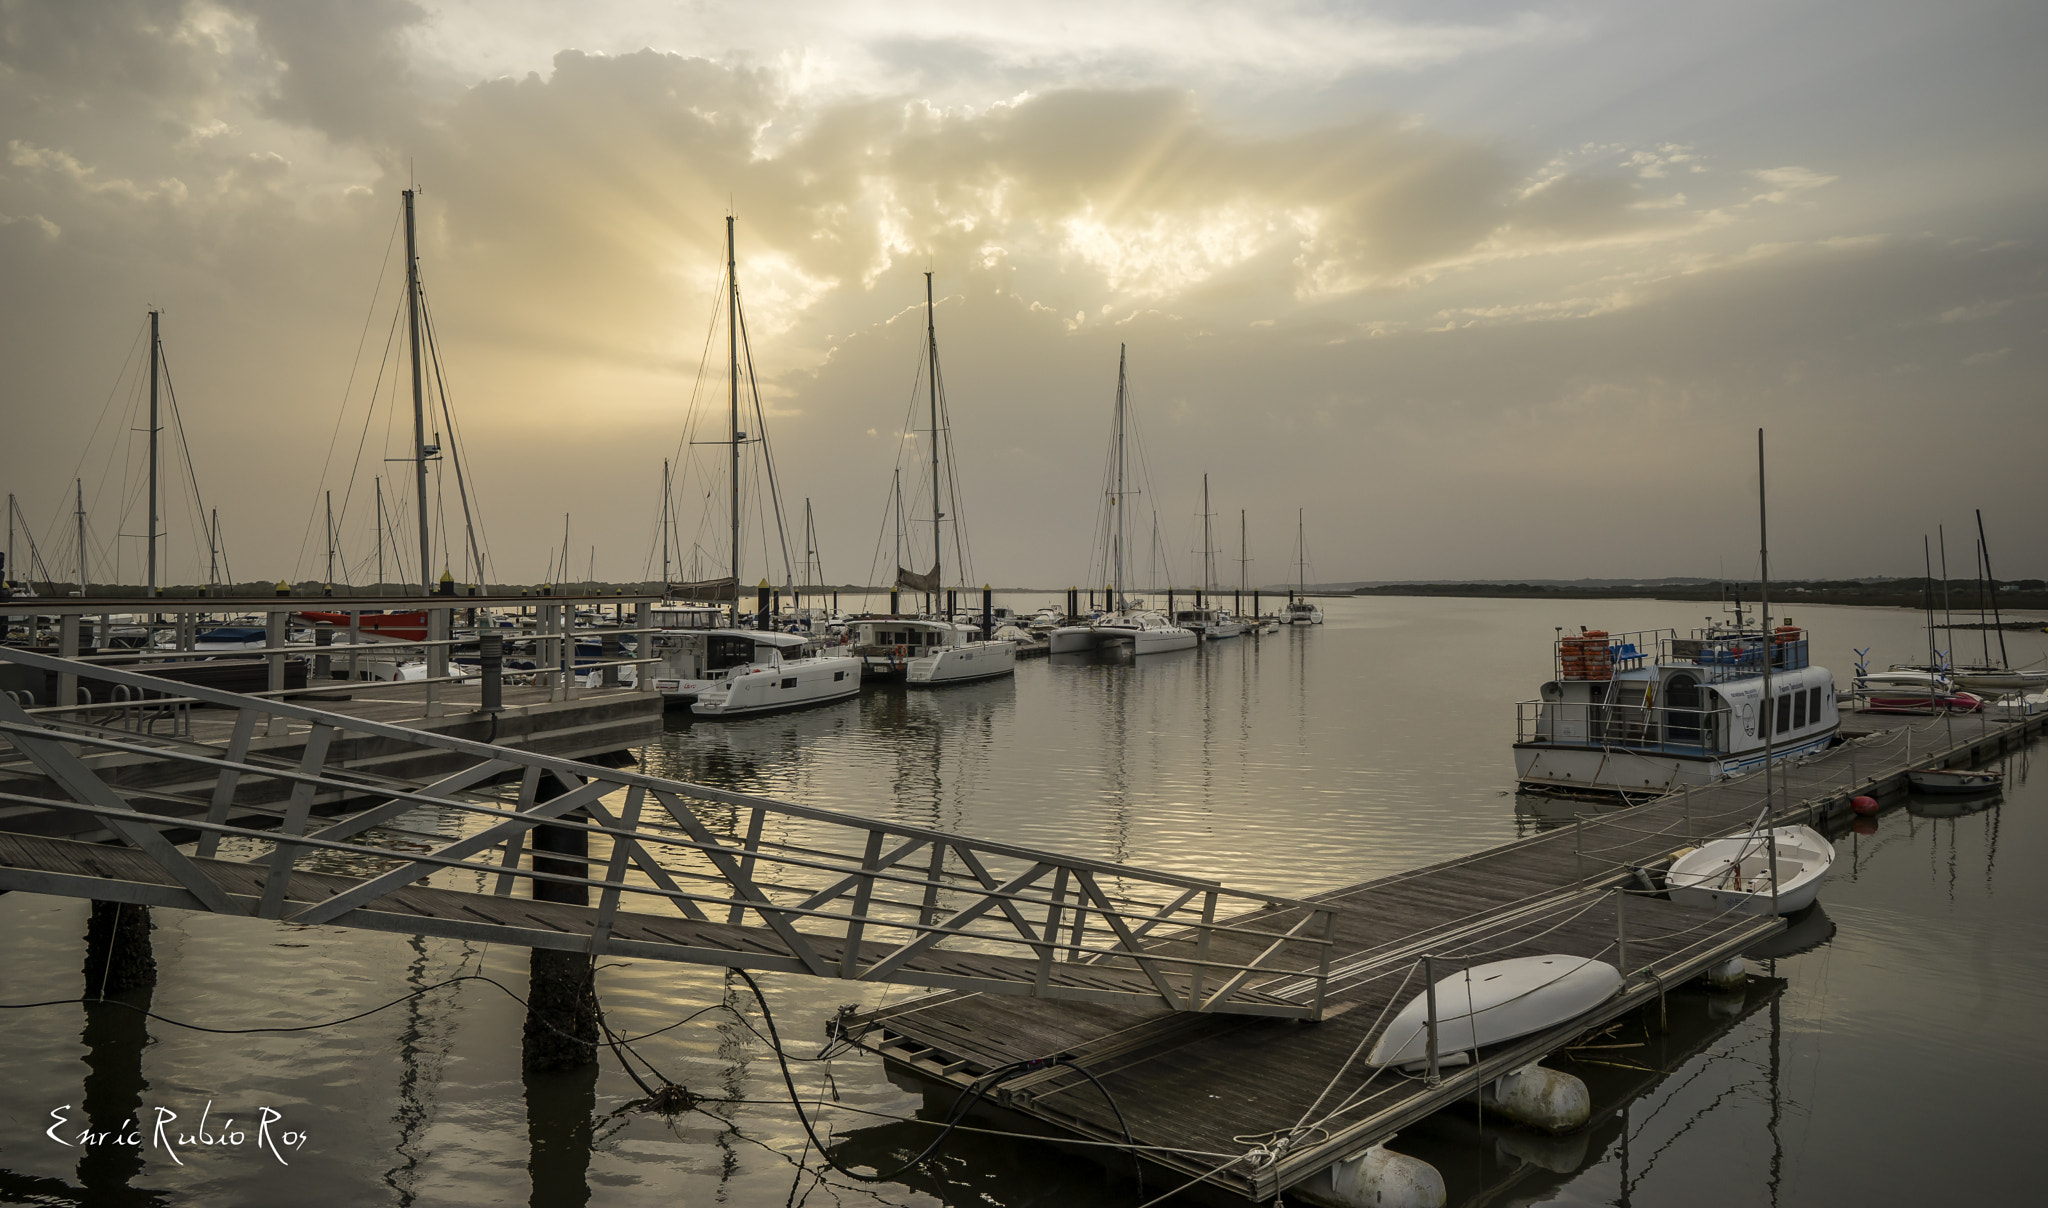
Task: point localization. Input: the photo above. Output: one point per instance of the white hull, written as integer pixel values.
(962, 664)
(1223, 629)
(1147, 641)
(1073, 639)
(1735, 873)
(792, 685)
(1489, 1003)
(1620, 770)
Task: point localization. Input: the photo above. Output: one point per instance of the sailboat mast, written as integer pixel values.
(811, 547)
(1767, 714)
(213, 550)
(931, 333)
(732, 352)
(1208, 547)
(13, 567)
(1116, 501)
(419, 397)
(1301, 552)
(1948, 619)
(565, 546)
(156, 356)
(380, 535)
(1927, 597)
(1983, 630)
(1241, 560)
(664, 522)
(329, 580)
(79, 486)
(1992, 580)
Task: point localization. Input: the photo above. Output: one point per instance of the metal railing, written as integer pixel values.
(717, 877)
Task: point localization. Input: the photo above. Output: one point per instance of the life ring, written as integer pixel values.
(901, 651)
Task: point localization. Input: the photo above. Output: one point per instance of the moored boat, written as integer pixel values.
(1736, 873)
(1955, 780)
(1490, 1003)
(1649, 711)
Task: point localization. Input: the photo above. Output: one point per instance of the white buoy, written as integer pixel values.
(1728, 975)
(1376, 1178)
(1541, 1098)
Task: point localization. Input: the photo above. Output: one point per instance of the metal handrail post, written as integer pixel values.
(1430, 1075)
(274, 636)
(67, 648)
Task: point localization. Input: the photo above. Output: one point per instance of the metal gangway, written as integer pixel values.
(680, 872)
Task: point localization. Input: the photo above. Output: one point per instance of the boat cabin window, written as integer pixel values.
(728, 652)
(1799, 710)
(1784, 714)
(1813, 705)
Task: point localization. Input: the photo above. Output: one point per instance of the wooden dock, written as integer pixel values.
(1212, 1095)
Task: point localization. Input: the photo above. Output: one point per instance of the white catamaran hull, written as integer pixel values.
(813, 681)
(962, 664)
(1073, 639)
(1147, 641)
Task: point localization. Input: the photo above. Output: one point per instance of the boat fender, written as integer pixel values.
(1379, 1178)
(1865, 806)
(1645, 880)
(1551, 1100)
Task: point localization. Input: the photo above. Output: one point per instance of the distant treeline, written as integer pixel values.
(1963, 594)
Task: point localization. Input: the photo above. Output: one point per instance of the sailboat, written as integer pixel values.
(939, 649)
(2000, 678)
(1122, 624)
(1299, 611)
(731, 670)
(1210, 620)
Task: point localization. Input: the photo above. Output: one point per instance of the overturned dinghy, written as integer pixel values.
(1489, 1003)
(1735, 873)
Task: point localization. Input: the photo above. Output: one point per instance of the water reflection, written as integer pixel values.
(1654, 1077)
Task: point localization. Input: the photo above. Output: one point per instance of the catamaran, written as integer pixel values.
(1299, 611)
(725, 670)
(1123, 623)
(936, 649)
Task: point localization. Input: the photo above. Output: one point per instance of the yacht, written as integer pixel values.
(745, 671)
(1649, 712)
(1210, 624)
(927, 652)
(1301, 612)
(1126, 622)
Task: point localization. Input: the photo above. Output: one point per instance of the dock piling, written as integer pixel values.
(117, 949)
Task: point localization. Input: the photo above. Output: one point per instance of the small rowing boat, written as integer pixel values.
(1735, 873)
(1490, 1003)
(1954, 780)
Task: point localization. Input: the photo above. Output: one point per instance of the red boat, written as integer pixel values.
(401, 626)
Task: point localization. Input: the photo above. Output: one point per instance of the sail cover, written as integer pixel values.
(916, 582)
(708, 591)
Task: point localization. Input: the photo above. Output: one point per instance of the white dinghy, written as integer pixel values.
(1489, 1003)
(1735, 873)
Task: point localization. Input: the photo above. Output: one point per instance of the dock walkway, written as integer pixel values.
(1213, 1094)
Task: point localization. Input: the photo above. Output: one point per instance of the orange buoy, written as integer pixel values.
(1865, 806)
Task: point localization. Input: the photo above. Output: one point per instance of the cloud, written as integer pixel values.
(1785, 183)
(1987, 358)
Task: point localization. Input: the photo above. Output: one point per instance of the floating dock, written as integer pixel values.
(1212, 1098)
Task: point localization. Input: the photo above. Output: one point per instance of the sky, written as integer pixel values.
(1475, 291)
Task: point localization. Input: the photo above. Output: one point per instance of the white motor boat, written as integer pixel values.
(1955, 780)
(1648, 712)
(1735, 873)
(1490, 1003)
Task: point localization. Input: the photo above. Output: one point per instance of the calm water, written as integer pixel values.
(1896, 1061)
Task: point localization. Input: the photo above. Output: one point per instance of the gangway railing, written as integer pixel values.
(680, 871)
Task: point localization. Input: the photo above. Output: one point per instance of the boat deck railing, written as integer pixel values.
(1721, 657)
(1677, 731)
